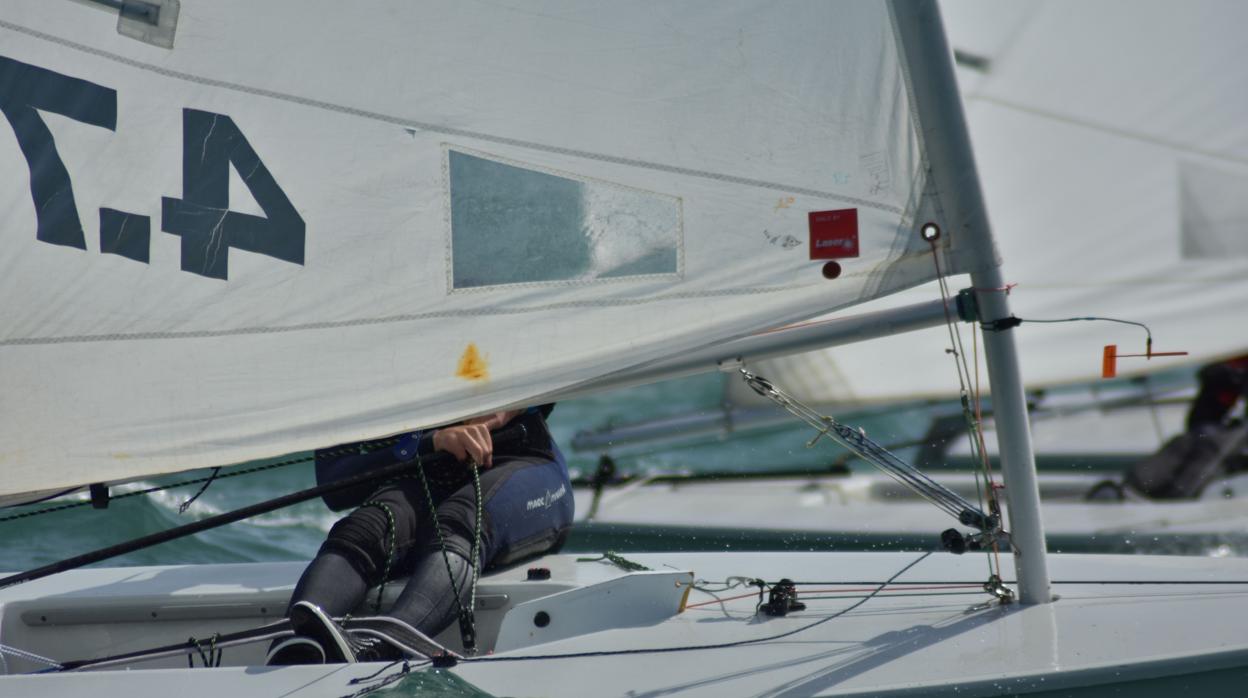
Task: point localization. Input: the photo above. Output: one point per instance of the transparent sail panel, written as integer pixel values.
(511, 225)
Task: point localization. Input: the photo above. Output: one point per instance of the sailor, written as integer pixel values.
(1222, 385)
(1212, 446)
(526, 511)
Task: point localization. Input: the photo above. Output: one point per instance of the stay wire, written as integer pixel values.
(993, 499)
(858, 442)
(974, 423)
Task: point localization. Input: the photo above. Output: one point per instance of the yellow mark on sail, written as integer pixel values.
(472, 365)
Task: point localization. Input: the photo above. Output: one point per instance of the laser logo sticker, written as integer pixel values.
(834, 234)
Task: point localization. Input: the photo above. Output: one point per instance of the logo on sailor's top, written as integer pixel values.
(546, 500)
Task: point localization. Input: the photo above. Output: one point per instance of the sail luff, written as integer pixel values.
(929, 59)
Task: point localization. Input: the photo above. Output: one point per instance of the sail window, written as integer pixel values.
(1213, 205)
(511, 225)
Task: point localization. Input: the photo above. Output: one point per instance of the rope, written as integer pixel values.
(691, 648)
(391, 535)
(187, 504)
(210, 658)
(476, 535)
(901, 591)
(465, 615)
(382, 681)
(617, 560)
(216, 475)
(974, 421)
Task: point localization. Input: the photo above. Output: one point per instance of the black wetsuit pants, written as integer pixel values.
(527, 510)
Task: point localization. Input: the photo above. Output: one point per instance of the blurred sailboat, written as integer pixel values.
(1115, 184)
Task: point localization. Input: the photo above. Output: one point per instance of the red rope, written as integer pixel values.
(906, 587)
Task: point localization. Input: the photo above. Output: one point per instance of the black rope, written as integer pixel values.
(384, 681)
(210, 658)
(161, 488)
(184, 530)
(184, 483)
(187, 504)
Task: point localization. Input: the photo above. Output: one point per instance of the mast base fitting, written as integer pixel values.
(783, 599)
(997, 588)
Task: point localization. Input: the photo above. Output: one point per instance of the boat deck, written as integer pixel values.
(933, 630)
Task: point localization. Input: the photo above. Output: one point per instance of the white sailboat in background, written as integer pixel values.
(376, 216)
(1116, 184)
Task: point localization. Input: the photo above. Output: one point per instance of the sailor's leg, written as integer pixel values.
(362, 550)
(527, 509)
(428, 601)
(332, 583)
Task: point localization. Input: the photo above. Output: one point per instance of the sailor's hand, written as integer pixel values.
(466, 441)
(472, 438)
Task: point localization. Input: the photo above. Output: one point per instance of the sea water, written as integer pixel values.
(295, 533)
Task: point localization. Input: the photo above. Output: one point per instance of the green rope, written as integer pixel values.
(617, 560)
(476, 536)
(391, 532)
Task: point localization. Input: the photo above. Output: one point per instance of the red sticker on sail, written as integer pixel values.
(834, 234)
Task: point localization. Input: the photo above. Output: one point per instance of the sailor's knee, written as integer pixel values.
(363, 538)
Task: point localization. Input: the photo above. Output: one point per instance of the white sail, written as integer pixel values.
(1117, 184)
(264, 231)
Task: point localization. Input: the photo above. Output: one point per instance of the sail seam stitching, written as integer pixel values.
(199, 334)
(446, 130)
(1093, 125)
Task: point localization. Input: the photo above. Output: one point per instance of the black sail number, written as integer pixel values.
(25, 89)
(211, 145)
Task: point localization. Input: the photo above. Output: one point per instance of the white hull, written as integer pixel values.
(875, 507)
(933, 638)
